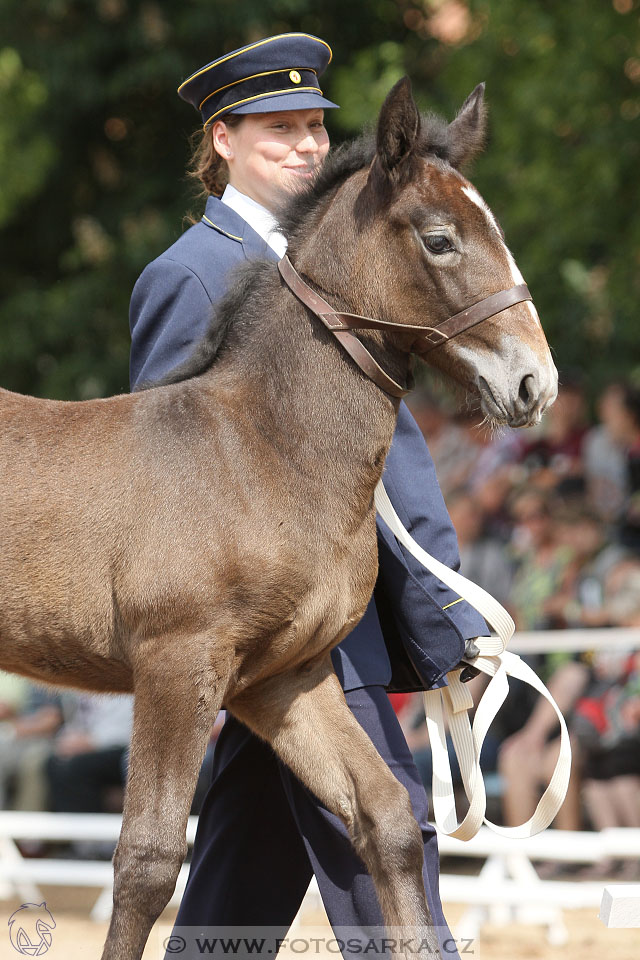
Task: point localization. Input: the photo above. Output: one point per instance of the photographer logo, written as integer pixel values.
(30, 929)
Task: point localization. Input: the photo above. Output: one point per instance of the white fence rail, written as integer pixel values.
(572, 641)
(508, 887)
(620, 905)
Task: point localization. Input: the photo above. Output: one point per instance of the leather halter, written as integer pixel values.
(427, 339)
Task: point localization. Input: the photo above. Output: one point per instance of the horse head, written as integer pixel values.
(421, 245)
(450, 253)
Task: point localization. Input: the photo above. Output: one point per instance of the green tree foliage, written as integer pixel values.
(22, 96)
(94, 144)
(561, 173)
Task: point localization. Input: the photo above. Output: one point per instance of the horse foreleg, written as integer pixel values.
(304, 716)
(176, 702)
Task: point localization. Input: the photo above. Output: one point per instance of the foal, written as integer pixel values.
(208, 542)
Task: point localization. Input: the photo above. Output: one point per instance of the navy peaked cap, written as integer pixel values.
(278, 73)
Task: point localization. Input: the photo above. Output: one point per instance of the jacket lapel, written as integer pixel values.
(220, 217)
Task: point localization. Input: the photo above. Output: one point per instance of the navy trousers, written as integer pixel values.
(261, 835)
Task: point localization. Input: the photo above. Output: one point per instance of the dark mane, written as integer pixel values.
(341, 163)
(346, 160)
(229, 313)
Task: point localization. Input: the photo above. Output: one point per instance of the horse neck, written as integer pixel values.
(303, 393)
(343, 257)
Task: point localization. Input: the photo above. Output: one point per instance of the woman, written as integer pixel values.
(261, 835)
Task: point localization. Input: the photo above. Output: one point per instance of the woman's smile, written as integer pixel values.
(303, 171)
(268, 150)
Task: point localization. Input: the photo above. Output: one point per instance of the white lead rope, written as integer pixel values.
(454, 701)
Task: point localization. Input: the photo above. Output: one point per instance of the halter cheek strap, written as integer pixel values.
(469, 317)
(335, 322)
(427, 339)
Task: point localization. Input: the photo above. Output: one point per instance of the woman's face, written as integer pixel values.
(270, 154)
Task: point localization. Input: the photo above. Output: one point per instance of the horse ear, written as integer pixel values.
(398, 129)
(466, 134)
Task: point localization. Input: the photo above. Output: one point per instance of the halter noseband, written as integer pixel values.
(341, 324)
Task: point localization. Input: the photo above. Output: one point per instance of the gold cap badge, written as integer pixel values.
(294, 76)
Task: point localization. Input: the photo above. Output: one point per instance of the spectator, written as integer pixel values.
(583, 686)
(621, 600)
(492, 496)
(606, 723)
(541, 560)
(482, 559)
(579, 598)
(528, 754)
(568, 572)
(555, 458)
(624, 427)
(527, 758)
(445, 438)
(604, 457)
(26, 735)
(503, 450)
(13, 694)
(87, 754)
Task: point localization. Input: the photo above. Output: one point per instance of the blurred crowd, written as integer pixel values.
(68, 752)
(548, 521)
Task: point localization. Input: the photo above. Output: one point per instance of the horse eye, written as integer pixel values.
(437, 243)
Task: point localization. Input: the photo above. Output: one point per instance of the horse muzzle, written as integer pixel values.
(516, 394)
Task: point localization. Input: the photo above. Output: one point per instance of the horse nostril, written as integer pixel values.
(526, 388)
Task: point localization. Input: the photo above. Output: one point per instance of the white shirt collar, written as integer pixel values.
(257, 216)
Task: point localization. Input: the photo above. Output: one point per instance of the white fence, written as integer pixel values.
(508, 887)
(572, 641)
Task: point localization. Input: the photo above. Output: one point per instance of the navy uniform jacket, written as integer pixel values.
(415, 622)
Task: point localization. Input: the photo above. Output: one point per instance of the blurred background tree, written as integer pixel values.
(94, 143)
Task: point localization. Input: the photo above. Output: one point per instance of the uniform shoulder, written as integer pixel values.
(192, 249)
(203, 251)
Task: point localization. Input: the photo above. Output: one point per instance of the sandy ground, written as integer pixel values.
(77, 938)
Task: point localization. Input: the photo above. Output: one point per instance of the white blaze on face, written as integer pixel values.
(515, 272)
(517, 277)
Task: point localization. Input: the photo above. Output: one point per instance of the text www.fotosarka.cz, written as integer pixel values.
(242, 942)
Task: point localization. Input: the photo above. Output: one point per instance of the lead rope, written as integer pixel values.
(454, 701)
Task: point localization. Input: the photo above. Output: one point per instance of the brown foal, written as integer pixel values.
(208, 541)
